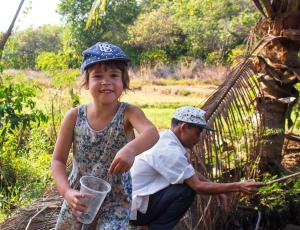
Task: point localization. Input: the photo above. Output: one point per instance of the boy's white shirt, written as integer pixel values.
(155, 169)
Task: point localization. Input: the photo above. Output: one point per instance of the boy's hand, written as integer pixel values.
(122, 162)
(73, 198)
(249, 187)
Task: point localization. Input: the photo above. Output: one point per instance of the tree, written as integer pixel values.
(24, 46)
(8, 32)
(278, 67)
(113, 27)
(157, 31)
(250, 109)
(197, 29)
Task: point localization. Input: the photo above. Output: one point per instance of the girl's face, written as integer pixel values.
(105, 83)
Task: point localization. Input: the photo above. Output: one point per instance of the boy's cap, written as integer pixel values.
(192, 115)
(102, 51)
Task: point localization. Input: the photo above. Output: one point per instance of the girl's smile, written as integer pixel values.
(106, 91)
(105, 83)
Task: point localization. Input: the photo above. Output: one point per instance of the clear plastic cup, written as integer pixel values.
(97, 187)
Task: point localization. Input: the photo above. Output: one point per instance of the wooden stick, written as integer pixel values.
(30, 220)
(283, 178)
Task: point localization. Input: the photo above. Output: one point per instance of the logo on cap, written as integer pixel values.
(105, 47)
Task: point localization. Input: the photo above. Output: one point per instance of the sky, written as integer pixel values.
(41, 12)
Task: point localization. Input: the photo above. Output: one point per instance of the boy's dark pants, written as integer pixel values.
(166, 207)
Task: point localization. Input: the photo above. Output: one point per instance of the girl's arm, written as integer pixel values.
(61, 151)
(59, 161)
(147, 137)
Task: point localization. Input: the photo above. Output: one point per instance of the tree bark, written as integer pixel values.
(279, 71)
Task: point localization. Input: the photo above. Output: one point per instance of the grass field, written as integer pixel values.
(159, 101)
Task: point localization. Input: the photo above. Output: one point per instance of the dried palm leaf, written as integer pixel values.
(42, 214)
(259, 7)
(232, 152)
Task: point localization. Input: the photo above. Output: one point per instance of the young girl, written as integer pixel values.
(103, 141)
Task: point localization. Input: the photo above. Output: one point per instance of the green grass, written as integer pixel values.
(157, 107)
(161, 117)
(151, 100)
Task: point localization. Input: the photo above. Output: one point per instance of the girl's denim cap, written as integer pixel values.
(102, 51)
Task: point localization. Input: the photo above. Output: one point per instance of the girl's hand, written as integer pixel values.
(249, 187)
(73, 198)
(122, 162)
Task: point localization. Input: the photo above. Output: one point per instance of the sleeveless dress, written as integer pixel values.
(93, 152)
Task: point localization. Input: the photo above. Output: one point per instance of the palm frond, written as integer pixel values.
(260, 8)
(232, 152)
(269, 8)
(231, 111)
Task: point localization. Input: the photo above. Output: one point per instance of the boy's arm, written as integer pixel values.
(201, 177)
(147, 137)
(204, 187)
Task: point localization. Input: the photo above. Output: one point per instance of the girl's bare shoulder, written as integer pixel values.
(71, 116)
(132, 110)
(132, 113)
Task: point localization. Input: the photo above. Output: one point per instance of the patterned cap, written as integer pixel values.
(102, 51)
(191, 115)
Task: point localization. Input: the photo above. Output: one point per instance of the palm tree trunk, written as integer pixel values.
(8, 32)
(279, 70)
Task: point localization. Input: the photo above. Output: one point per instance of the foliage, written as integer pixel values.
(49, 61)
(157, 31)
(235, 54)
(23, 48)
(65, 79)
(18, 115)
(293, 124)
(152, 57)
(149, 31)
(196, 28)
(56, 66)
(277, 195)
(169, 29)
(17, 108)
(213, 58)
(113, 28)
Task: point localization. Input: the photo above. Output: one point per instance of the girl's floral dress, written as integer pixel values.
(93, 152)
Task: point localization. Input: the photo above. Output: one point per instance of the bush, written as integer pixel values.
(153, 57)
(50, 62)
(18, 115)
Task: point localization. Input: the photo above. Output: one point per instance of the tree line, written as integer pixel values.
(151, 32)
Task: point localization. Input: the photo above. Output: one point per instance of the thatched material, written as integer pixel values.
(41, 215)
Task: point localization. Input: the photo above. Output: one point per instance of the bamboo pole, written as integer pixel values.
(283, 178)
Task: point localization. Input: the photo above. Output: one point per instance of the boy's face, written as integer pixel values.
(105, 83)
(190, 135)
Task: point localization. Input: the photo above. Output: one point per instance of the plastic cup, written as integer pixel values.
(97, 187)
